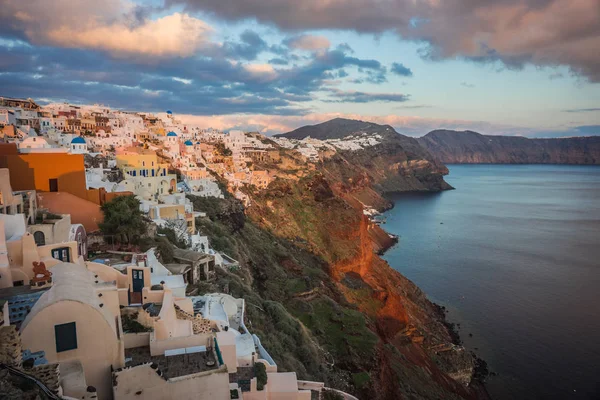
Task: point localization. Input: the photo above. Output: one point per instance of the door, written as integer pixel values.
(137, 286)
(54, 185)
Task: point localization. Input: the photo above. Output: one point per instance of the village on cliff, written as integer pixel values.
(83, 319)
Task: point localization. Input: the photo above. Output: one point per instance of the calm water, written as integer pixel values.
(514, 253)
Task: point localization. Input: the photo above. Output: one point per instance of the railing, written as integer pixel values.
(219, 356)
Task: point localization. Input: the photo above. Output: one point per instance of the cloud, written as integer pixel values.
(413, 107)
(349, 96)
(586, 130)
(195, 84)
(308, 42)
(116, 27)
(407, 125)
(249, 47)
(263, 72)
(513, 32)
(278, 61)
(556, 75)
(467, 85)
(400, 69)
(579, 110)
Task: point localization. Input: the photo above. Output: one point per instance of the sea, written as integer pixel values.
(514, 255)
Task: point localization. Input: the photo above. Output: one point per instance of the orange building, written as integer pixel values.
(46, 172)
(82, 211)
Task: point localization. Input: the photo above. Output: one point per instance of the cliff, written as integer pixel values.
(469, 147)
(321, 299)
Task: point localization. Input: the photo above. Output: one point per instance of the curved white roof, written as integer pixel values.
(71, 282)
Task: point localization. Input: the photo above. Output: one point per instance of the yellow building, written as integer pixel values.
(144, 175)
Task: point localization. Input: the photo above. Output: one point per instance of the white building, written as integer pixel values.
(79, 146)
(36, 142)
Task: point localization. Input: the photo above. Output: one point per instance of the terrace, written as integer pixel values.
(175, 363)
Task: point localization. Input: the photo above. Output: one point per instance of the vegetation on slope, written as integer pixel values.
(291, 303)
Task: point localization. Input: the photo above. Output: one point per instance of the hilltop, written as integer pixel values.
(337, 128)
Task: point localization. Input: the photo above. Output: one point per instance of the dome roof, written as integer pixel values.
(78, 140)
(171, 134)
(188, 143)
(169, 112)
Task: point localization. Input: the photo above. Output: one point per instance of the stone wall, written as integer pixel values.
(10, 346)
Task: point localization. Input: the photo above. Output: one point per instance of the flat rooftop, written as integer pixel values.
(7, 293)
(173, 366)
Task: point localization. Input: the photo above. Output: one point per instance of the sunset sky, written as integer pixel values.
(527, 67)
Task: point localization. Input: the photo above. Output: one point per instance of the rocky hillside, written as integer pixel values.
(469, 147)
(321, 299)
(396, 163)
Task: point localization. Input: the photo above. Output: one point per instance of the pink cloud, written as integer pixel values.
(408, 125)
(110, 26)
(309, 42)
(517, 32)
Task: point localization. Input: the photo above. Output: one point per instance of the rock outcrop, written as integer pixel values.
(467, 147)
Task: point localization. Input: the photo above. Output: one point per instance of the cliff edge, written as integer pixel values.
(468, 147)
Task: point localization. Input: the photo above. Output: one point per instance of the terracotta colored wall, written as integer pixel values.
(82, 211)
(34, 171)
(8, 148)
(101, 196)
(113, 195)
(96, 195)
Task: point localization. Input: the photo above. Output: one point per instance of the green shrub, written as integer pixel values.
(172, 236)
(131, 324)
(331, 395)
(361, 379)
(123, 219)
(260, 372)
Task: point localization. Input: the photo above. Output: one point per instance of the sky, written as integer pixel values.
(513, 67)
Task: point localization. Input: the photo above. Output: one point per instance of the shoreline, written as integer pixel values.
(480, 370)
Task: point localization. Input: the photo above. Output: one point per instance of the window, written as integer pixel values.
(65, 337)
(62, 254)
(40, 238)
